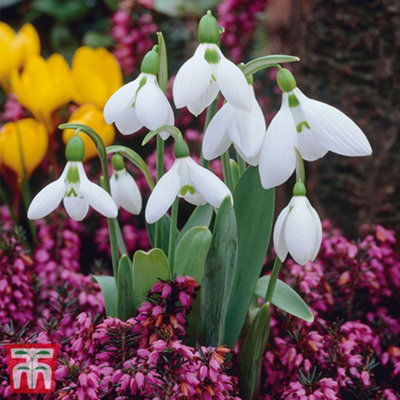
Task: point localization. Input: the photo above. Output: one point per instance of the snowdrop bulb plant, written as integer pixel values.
(200, 78)
(298, 229)
(187, 179)
(140, 102)
(124, 189)
(74, 188)
(311, 127)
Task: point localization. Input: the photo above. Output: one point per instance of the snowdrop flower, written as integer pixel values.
(124, 189)
(200, 78)
(246, 129)
(312, 127)
(75, 188)
(140, 102)
(298, 229)
(186, 179)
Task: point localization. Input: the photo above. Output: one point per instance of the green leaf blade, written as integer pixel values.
(267, 61)
(125, 301)
(109, 291)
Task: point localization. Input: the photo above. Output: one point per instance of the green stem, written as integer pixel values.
(226, 169)
(172, 233)
(273, 279)
(241, 164)
(300, 170)
(211, 111)
(160, 171)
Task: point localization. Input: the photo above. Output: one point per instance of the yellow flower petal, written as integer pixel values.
(27, 135)
(15, 50)
(90, 115)
(43, 86)
(96, 75)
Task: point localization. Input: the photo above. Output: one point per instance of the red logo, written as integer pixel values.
(32, 367)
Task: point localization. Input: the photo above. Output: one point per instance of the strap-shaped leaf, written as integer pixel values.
(147, 269)
(109, 290)
(218, 275)
(164, 224)
(201, 216)
(191, 252)
(254, 209)
(285, 298)
(125, 305)
(251, 354)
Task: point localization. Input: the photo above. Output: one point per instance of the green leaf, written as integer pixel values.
(147, 269)
(109, 290)
(172, 130)
(251, 354)
(21, 352)
(267, 61)
(191, 252)
(135, 159)
(41, 368)
(125, 305)
(285, 298)
(46, 352)
(254, 209)
(97, 39)
(201, 216)
(181, 8)
(62, 10)
(218, 275)
(164, 223)
(23, 368)
(193, 322)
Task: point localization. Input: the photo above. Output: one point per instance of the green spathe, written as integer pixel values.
(117, 162)
(75, 149)
(151, 62)
(181, 149)
(208, 29)
(299, 189)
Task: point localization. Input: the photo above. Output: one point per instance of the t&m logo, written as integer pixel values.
(32, 367)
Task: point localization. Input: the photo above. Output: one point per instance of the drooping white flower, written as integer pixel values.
(200, 78)
(78, 193)
(311, 127)
(140, 102)
(298, 231)
(246, 129)
(187, 179)
(124, 189)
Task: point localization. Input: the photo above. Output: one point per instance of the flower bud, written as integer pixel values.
(117, 162)
(181, 149)
(75, 149)
(208, 31)
(151, 62)
(285, 80)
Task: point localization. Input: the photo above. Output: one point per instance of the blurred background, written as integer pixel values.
(350, 58)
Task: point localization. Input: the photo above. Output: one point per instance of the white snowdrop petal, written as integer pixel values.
(334, 130)
(254, 161)
(216, 139)
(114, 190)
(163, 195)
(170, 121)
(318, 227)
(47, 200)
(300, 231)
(77, 207)
(277, 156)
(192, 78)
(152, 107)
(128, 122)
(129, 196)
(196, 199)
(120, 100)
(233, 84)
(207, 184)
(308, 145)
(279, 234)
(248, 130)
(197, 106)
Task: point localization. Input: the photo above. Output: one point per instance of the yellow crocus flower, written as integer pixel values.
(90, 115)
(43, 87)
(15, 49)
(96, 74)
(23, 144)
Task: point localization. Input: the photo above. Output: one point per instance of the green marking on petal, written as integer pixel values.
(293, 102)
(211, 56)
(213, 78)
(73, 174)
(187, 188)
(141, 84)
(72, 192)
(299, 127)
